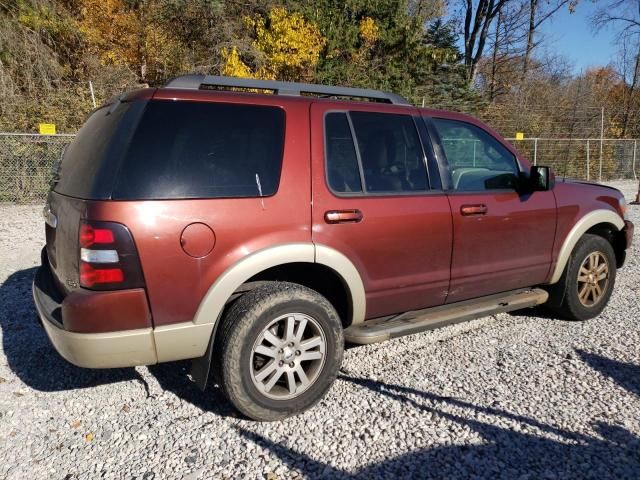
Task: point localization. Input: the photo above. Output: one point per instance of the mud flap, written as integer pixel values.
(557, 292)
(200, 367)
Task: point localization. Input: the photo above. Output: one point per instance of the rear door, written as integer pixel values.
(377, 199)
(502, 240)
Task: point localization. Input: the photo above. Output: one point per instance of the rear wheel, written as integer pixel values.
(279, 350)
(586, 285)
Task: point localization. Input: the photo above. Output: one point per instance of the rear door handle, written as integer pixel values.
(478, 209)
(343, 216)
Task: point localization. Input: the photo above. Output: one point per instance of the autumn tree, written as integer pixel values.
(289, 47)
(131, 35)
(625, 16)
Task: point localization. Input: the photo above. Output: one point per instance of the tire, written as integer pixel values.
(245, 350)
(567, 297)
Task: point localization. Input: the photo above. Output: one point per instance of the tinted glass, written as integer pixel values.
(89, 161)
(343, 173)
(477, 160)
(203, 150)
(390, 151)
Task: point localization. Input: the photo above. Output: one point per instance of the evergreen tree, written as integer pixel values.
(445, 84)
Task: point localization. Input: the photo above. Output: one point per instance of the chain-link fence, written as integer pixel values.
(25, 164)
(584, 158)
(26, 160)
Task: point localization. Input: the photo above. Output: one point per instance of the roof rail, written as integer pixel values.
(195, 82)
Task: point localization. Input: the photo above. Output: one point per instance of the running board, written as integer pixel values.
(385, 328)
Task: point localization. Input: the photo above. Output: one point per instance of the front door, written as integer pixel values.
(374, 201)
(502, 240)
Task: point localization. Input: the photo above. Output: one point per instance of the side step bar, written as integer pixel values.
(386, 328)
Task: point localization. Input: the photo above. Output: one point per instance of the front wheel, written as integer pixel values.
(586, 285)
(279, 350)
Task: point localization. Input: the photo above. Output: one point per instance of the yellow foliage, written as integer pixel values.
(369, 31)
(233, 64)
(111, 29)
(123, 35)
(290, 44)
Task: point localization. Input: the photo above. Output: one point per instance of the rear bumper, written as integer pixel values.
(124, 348)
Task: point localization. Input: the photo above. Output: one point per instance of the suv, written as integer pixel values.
(257, 234)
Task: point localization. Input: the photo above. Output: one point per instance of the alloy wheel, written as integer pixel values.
(288, 356)
(593, 278)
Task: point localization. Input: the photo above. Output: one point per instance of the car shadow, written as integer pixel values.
(28, 350)
(35, 362)
(505, 452)
(627, 375)
(538, 312)
(173, 377)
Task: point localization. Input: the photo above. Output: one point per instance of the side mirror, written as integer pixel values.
(541, 179)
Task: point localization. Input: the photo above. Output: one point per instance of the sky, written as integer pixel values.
(571, 35)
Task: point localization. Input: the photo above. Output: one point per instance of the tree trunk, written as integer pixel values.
(494, 59)
(476, 29)
(632, 90)
(533, 7)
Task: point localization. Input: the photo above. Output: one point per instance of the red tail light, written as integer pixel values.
(108, 257)
(90, 276)
(90, 235)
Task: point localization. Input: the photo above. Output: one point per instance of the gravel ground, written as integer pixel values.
(509, 396)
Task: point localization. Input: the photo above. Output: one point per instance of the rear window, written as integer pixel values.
(89, 162)
(203, 150)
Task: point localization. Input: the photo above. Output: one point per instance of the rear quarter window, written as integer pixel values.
(90, 162)
(185, 149)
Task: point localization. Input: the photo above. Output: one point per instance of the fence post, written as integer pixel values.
(633, 166)
(93, 96)
(535, 151)
(474, 153)
(601, 142)
(588, 160)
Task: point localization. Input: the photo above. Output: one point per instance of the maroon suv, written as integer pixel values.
(258, 233)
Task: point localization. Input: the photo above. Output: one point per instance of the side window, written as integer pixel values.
(476, 159)
(388, 155)
(343, 173)
(390, 152)
(203, 150)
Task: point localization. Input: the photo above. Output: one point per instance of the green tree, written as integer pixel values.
(444, 82)
(393, 60)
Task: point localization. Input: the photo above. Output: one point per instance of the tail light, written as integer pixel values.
(108, 257)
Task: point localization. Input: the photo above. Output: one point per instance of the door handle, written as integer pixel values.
(478, 209)
(343, 216)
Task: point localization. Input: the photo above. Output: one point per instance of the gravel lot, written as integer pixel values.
(510, 396)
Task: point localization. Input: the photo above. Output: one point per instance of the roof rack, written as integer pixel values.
(195, 82)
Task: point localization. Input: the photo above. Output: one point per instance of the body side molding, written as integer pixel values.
(585, 223)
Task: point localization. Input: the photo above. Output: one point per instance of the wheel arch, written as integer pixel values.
(597, 222)
(249, 268)
(254, 266)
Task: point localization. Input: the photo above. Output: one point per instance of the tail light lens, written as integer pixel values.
(90, 235)
(108, 257)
